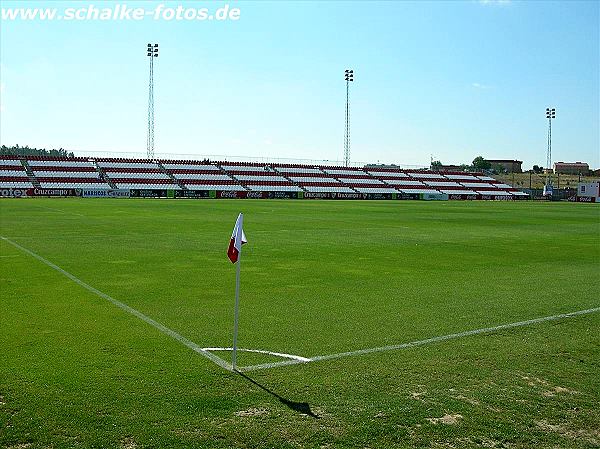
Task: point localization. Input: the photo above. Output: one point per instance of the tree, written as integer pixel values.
(436, 165)
(498, 169)
(479, 163)
(26, 151)
(537, 169)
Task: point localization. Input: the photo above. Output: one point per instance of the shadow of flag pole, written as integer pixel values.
(234, 252)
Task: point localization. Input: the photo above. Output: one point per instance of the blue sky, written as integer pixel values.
(450, 79)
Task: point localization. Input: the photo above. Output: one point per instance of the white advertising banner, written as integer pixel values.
(105, 193)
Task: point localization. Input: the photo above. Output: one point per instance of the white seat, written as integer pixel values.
(73, 185)
(388, 174)
(130, 175)
(494, 192)
(360, 181)
(50, 163)
(301, 170)
(206, 176)
(442, 184)
(425, 175)
(375, 190)
(126, 165)
(260, 178)
(190, 167)
(246, 167)
(404, 182)
(473, 185)
(66, 174)
(417, 190)
(336, 172)
(15, 185)
(259, 188)
(215, 187)
(458, 192)
(329, 189)
(302, 179)
(13, 173)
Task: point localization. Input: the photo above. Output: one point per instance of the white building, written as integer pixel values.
(588, 192)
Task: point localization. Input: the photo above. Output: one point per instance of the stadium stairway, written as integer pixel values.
(103, 175)
(225, 172)
(170, 175)
(338, 180)
(30, 174)
(282, 174)
(385, 184)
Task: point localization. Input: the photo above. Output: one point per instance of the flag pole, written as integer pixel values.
(237, 303)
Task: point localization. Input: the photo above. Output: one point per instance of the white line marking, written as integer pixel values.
(422, 342)
(262, 351)
(59, 210)
(165, 330)
(294, 360)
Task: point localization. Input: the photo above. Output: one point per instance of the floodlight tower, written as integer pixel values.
(152, 51)
(349, 77)
(550, 115)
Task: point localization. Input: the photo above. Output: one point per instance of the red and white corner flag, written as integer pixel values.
(238, 238)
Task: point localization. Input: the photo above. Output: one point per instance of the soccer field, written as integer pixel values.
(103, 302)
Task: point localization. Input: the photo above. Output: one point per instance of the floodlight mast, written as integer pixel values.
(349, 77)
(550, 115)
(152, 52)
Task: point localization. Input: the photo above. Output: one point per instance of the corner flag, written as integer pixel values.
(238, 238)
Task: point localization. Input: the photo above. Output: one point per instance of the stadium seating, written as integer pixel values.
(457, 191)
(13, 175)
(461, 177)
(59, 164)
(426, 175)
(260, 178)
(328, 188)
(72, 183)
(445, 184)
(309, 179)
(274, 188)
(165, 174)
(403, 182)
(298, 170)
(417, 190)
(15, 182)
(370, 189)
(172, 167)
(202, 184)
(344, 172)
(389, 175)
(10, 161)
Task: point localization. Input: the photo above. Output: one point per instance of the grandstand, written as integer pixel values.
(13, 174)
(291, 180)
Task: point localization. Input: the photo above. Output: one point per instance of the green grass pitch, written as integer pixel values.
(318, 278)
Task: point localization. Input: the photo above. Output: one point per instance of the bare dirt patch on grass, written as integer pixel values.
(418, 395)
(590, 436)
(128, 443)
(252, 412)
(446, 419)
(557, 390)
